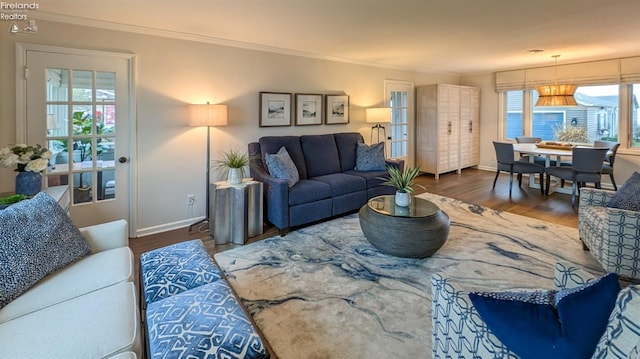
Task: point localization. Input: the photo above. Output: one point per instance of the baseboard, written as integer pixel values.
(166, 227)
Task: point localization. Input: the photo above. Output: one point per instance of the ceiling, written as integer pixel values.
(460, 36)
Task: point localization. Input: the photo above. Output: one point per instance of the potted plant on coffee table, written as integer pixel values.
(403, 181)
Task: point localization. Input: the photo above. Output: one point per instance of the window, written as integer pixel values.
(635, 122)
(515, 121)
(595, 118)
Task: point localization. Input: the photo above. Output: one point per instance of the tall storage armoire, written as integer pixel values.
(447, 128)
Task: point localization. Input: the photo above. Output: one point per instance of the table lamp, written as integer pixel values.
(378, 115)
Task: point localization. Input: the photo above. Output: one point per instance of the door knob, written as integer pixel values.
(122, 159)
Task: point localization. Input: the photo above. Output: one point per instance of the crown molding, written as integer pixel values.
(109, 25)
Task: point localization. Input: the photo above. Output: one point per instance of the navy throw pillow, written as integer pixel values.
(370, 158)
(628, 196)
(549, 324)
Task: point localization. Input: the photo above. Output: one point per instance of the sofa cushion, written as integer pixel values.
(95, 325)
(307, 191)
(204, 322)
(370, 158)
(88, 274)
(347, 144)
(37, 237)
(538, 329)
(622, 335)
(272, 144)
(320, 154)
(342, 183)
(176, 268)
(372, 178)
(628, 196)
(281, 166)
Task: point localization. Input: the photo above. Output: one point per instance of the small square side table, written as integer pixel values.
(236, 211)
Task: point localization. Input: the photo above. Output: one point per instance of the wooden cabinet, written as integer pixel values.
(447, 128)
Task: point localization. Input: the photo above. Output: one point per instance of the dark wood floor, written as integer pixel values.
(471, 186)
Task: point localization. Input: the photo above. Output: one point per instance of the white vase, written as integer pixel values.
(235, 176)
(403, 199)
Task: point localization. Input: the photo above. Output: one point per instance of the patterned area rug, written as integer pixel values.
(325, 292)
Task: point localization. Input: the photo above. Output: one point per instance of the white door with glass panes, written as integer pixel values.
(399, 96)
(78, 104)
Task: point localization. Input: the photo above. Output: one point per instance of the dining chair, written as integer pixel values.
(541, 160)
(607, 166)
(586, 167)
(507, 163)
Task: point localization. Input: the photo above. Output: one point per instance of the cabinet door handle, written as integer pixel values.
(470, 126)
(449, 127)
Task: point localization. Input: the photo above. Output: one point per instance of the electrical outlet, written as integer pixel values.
(191, 199)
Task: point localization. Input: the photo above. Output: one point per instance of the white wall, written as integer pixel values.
(171, 74)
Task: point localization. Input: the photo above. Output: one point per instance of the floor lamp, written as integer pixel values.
(378, 115)
(207, 115)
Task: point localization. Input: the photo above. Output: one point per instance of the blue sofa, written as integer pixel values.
(328, 185)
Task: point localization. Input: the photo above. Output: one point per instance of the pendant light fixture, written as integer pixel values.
(556, 95)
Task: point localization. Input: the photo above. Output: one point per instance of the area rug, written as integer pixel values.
(325, 292)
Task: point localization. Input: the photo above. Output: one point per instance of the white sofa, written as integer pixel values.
(88, 309)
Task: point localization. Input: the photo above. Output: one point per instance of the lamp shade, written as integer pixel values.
(556, 95)
(207, 115)
(378, 115)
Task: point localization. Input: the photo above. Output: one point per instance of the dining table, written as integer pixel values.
(553, 152)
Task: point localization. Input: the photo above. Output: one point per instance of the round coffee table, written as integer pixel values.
(416, 231)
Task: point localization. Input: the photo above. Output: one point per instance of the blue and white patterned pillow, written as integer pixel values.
(370, 158)
(281, 166)
(37, 237)
(204, 322)
(628, 196)
(622, 336)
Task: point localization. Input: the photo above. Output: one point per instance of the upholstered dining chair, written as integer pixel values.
(607, 166)
(541, 160)
(586, 167)
(507, 163)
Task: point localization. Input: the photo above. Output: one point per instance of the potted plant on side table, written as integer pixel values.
(233, 164)
(403, 181)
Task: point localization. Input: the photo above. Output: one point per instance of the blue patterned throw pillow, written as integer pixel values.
(37, 237)
(549, 324)
(281, 166)
(370, 158)
(628, 196)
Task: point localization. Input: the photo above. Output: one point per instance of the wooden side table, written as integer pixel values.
(236, 211)
(59, 193)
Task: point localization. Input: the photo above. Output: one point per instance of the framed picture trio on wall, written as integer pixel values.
(278, 109)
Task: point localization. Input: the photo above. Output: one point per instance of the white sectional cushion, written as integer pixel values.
(125, 355)
(91, 273)
(100, 324)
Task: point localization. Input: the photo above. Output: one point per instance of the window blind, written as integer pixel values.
(613, 71)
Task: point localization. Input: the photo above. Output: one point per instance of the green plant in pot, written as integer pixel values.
(233, 164)
(403, 181)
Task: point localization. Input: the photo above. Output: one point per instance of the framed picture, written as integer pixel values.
(275, 109)
(308, 109)
(337, 109)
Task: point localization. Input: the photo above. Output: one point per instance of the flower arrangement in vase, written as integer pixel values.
(29, 162)
(403, 181)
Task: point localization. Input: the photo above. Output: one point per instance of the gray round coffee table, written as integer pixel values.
(416, 231)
